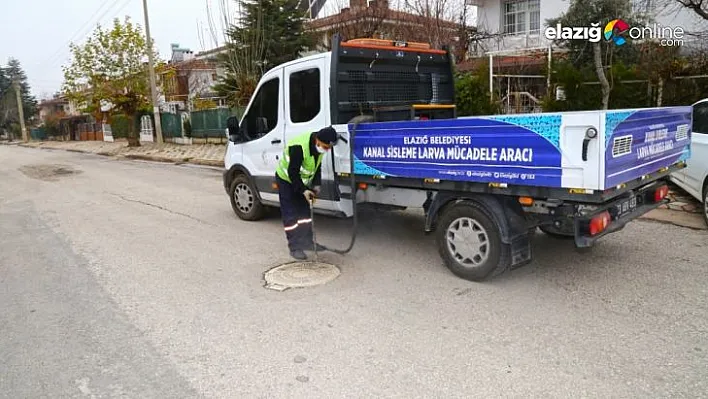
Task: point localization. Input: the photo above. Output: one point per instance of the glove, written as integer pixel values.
(309, 195)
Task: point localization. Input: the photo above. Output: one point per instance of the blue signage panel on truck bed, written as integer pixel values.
(639, 142)
(545, 150)
(468, 149)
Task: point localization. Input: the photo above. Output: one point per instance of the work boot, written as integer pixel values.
(298, 254)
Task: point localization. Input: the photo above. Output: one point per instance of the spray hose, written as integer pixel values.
(353, 186)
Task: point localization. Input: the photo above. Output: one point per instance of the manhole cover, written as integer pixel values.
(300, 275)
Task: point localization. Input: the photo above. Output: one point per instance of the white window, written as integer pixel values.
(521, 16)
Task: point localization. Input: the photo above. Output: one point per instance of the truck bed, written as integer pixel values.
(527, 150)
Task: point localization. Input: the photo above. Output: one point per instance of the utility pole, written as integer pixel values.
(20, 110)
(153, 85)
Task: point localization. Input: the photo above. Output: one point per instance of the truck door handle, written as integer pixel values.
(586, 143)
(590, 134)
(276, 141)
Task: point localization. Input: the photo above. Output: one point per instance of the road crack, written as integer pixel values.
(161, 208)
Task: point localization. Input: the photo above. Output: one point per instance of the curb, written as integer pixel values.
(206, 162)
(149, 158)
(140, 157)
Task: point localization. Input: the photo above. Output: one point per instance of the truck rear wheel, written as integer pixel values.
(244, 200)
(469, 242)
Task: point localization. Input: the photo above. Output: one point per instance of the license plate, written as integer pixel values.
(626, 206)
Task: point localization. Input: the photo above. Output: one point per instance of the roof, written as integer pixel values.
(389, 15)
(192, 65)
(58, 100)
(210, 52)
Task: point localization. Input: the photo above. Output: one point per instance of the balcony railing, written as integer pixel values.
(510, 42)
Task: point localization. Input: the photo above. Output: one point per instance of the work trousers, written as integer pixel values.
(295, 211)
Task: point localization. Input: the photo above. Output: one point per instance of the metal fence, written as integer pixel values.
(39, 133)
(120, 126)
(209, 123)
(171, 124)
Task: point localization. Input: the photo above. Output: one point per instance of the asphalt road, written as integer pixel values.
(132, 279)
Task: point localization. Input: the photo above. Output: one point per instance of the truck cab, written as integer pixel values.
(360, 78)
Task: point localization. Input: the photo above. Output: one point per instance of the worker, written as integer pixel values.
(299, 176)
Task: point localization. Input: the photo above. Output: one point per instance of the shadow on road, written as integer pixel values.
(554, 258)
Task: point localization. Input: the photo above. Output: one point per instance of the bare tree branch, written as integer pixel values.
(700, 7)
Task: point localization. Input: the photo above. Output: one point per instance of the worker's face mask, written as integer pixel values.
(322, 147)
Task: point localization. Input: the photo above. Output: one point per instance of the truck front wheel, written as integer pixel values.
(244, 199)
(469, 242)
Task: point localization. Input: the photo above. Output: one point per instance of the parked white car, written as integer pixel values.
(694, 178)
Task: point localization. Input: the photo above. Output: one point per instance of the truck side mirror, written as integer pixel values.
(232, 127)
(261, 125)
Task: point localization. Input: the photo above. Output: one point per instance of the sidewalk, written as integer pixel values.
(683, 210)
(199, 154)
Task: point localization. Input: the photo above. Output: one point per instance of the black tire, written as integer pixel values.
(244, 199)
(555, 232)
(497, 257)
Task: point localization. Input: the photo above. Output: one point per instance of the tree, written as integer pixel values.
(438, 22)
(9, 114)
(5, 104)
(110, 72)
(14, 71)
(356, 20)
(598, 53)
(268, 33)
(700, 7)
(472, 93)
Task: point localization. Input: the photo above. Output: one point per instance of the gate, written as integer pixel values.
(146, 129)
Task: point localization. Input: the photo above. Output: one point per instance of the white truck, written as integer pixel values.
(484, 182)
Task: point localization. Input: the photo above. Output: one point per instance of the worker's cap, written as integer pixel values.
(327, 135)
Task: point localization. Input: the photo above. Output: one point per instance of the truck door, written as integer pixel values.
(580, 171)
(263, 127)
(307, 110)
(697, 168)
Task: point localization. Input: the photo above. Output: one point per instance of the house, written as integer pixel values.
(189, 80)
(512, 35)
(376, 19)
(55, 107)
(59, 105)
(509, 26)
(311, 8)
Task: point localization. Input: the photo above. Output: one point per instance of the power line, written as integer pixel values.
(57, 56)
(106, 2)
(87, 28)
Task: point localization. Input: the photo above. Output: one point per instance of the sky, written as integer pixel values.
(38, 32)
